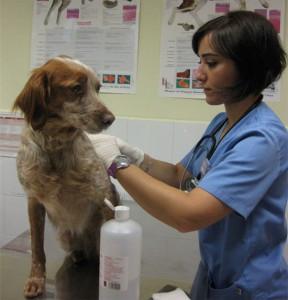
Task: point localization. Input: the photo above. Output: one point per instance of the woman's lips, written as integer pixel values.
(207, 90)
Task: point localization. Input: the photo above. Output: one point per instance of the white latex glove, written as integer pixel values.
(106, 147)
(135, 154)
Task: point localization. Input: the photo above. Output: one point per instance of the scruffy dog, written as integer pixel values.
(57, 165)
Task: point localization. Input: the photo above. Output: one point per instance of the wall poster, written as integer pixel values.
(181, 18)
(101, 33)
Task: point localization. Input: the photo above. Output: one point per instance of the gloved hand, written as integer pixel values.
(106, 147)
(135, 154)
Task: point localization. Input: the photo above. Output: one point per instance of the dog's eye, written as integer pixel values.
(77, 89)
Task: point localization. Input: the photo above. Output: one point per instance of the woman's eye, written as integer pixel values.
(211, 64)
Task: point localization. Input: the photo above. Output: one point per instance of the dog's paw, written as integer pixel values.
(34, 287)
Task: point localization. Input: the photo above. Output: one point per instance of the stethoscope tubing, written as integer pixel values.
(215, 144)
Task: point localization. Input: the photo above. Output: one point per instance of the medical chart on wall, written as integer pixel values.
(181, 18)
(101, 33)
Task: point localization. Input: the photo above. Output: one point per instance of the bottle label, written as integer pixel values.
(114, 272)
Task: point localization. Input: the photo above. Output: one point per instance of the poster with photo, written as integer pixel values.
(100, 33)
(181, 18)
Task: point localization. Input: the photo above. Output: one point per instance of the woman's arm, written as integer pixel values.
(183, 211)
(157, 193)
(166, 172)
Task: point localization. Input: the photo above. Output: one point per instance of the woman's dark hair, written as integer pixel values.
(251, 41)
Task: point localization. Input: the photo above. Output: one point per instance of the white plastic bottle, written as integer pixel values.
(120, 257)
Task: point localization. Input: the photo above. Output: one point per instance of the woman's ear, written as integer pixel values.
(32, 100)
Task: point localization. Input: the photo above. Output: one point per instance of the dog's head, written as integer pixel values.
(66, 91)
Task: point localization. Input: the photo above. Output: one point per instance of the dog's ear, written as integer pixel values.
(32, 100)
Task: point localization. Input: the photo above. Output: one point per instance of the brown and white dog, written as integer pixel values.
(57, 165)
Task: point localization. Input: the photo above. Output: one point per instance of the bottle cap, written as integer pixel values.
(122, 213)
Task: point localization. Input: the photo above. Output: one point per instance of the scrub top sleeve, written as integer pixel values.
(244, 172)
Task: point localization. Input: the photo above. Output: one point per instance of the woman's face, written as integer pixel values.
(216, 73)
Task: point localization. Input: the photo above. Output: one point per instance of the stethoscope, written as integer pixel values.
(191, 182)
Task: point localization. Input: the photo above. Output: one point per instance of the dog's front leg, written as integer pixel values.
(35, 284)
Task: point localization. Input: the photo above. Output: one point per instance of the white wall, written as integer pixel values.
(13, 204)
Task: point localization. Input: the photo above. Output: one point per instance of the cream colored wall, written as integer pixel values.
(15, 38)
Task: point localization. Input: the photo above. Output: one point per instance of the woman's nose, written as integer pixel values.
(200, 73)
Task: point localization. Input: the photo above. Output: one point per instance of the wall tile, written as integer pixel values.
(118, 128)
(10, 184)
(153, 137)
(186, 135)
(14, 217)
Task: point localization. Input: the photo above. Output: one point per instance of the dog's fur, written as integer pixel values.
(57, 165)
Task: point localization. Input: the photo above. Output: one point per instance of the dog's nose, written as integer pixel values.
(108, 119)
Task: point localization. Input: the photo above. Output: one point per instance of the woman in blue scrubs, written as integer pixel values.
(233, 185)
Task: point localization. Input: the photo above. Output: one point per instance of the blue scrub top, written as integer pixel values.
(249, 173)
